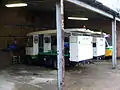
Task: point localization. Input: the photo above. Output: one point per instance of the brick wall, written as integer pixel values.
(118, 40)
(17, 22)
(9, 19)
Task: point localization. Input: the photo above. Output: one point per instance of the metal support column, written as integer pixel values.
(60, 43)
(114, 60)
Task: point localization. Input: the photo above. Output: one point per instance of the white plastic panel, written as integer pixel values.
(73, 52)
(99, 50)
(87, 52)
(47, 43)
(29, 50)
(85, 40)
(94, 51)
(35, 44)
(82, 49)
(34, 49)
(73, 39)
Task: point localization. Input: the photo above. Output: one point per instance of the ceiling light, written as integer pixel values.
(77, 18)
(16, 5)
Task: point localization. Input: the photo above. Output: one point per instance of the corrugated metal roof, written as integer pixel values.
(99, 5)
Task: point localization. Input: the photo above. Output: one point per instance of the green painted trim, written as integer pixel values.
(108, 48)
(33, 56)
(51, 53)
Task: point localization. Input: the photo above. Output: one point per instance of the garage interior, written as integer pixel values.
(39, 17)
(15, 23)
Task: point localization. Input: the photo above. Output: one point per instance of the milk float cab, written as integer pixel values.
(108, 45)
(42, 47)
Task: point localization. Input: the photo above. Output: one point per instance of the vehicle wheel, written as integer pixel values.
(100, 58)
(28, 61)
(55, 64)
(73, 64)
(48, 62)
(103, 57)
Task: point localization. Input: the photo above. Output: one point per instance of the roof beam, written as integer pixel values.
(89, 7)
(118, 19)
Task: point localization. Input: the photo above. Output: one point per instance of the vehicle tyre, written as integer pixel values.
(55, 64)
(73, 64)
(48, 62)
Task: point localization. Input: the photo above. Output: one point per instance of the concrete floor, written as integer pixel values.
(98, 76)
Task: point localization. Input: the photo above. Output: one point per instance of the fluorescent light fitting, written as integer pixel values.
(77, 18)
(16, 5)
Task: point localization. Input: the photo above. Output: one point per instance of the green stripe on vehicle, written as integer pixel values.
(108, 48)
(51, 53)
